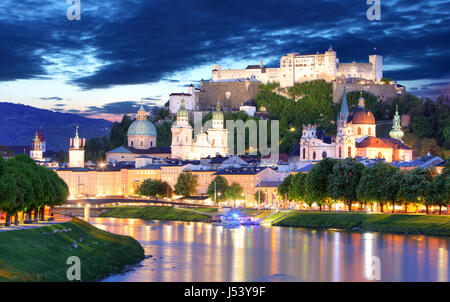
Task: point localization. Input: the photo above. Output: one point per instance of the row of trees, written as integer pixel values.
(348, 181)
(187, 184)
(27, 187)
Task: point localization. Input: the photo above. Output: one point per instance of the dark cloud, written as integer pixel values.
(138, 41)
(125, 107)
(53, 98)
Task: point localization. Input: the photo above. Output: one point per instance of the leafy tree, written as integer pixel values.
(234, 192)
(221, 185)
(186, 184)
(345, 180)
(438, 191)
(415, 185)
(8, 190)
(155, 188)
(317, 181)
(390, 188)
(298, 189)
(284, 187)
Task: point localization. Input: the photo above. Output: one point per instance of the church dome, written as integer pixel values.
(361, 116)
(142, 127)
(217, 115)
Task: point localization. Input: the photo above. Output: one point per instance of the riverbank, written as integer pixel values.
(40, 254)
(391, 223)
(158, 213)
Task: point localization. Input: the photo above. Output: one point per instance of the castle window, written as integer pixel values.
(324, 154)
(359, 130)
(314, 155)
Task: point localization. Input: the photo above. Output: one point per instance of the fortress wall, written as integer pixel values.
(386, 92)
(240, 92)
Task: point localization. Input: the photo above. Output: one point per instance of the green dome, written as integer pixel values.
(217, 115)
(182, 112)
(142, 127)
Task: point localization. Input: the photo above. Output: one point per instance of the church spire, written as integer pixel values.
(361, 100)
(343, 114)
(142, 114)
(396, 131)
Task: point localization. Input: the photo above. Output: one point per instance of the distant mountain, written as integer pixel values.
(18, 124)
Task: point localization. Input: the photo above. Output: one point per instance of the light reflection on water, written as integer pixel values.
(194, 251)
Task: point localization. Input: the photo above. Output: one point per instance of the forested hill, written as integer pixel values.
(18, 124)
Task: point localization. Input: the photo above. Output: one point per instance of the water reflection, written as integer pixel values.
(187, 251)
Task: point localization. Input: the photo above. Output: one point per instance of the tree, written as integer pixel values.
(317, 181)
(390, 187)
(298, 189)
(221, 185)
(8, 189)
(234, 192)
(438, 191)
(155, 188)
(186, 184)
(415, 185)
(345, 180)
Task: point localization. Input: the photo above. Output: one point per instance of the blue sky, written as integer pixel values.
(125, 51)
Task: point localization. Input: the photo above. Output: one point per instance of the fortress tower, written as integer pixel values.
(36, 151)
(76, 151)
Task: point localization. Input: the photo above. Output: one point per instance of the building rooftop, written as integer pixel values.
(240, 171)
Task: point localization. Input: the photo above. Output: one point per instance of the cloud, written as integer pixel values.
(53, 98)
(124, 107)
(139, 41)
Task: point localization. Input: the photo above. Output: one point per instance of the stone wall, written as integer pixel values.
(385, 92)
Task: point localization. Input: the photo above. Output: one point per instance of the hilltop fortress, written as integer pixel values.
(298, 68)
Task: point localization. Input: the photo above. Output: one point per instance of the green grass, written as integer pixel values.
(30, 255)
(159, 213)
(392, 223)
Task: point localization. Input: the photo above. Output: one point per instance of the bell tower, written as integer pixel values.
(76, 151)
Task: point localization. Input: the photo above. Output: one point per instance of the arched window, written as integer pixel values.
(359, 130)
(151, 143)
(340, 152)
(324, 154)
(132, 143)
(380, 155)
(314, 155)
(370, 131)
(142, 143)
(349, 151)
(304, 153)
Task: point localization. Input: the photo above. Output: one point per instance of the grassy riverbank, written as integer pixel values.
(40, 254)
(159, 213)
(391, 223)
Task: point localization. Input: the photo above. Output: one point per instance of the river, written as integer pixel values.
(195, 251)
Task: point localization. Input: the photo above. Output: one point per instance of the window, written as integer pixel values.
(186, 139)
(340, 152)
(151, 143)
(380, 155)
(349, 151)
(142, 143)
(304, 153)
(132, 142)
(178, 139)
(370, 131)
(324, 154)
(359, 130)
(314, 155)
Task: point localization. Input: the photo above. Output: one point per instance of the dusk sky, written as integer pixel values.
(125, 51)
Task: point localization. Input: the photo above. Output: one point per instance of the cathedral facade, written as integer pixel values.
(356, 137)
(212, 142)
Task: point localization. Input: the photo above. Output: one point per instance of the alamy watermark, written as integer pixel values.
(257, 136)
(374, 11)
(74, 11)
(73, 273)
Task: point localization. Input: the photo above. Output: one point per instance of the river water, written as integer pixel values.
(194, 251)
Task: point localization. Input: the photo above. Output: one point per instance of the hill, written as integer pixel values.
(18, 124)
